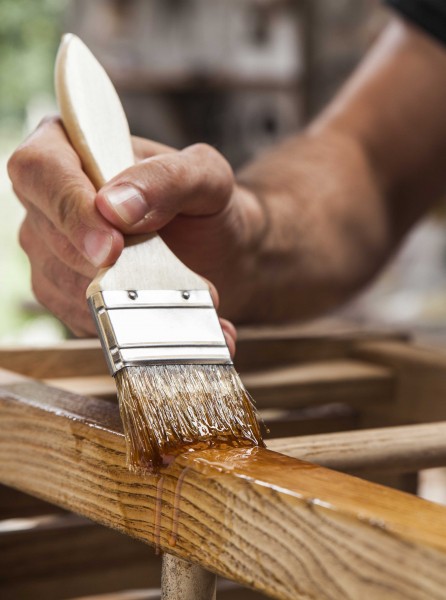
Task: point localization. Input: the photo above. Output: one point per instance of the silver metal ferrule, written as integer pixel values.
(140, 327)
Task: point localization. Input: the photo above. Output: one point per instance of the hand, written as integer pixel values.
(70, 231)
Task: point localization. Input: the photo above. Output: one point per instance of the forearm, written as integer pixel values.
(326, 229)
(338, 198)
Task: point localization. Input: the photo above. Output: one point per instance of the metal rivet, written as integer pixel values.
(132, 294)
(186, 295)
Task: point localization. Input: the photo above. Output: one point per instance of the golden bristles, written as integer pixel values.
(166, 408)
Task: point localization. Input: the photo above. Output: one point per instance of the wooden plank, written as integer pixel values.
(60, 556)
(325, 339)
(403, 449)
(353, 382)
(70, 358)
(280, 525)
(421, 382)
(256, 349)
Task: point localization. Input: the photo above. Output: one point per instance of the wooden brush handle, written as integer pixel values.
(97, 127)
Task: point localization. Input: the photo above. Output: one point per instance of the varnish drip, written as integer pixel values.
(167, 408)
(158, 513)
(176, 508)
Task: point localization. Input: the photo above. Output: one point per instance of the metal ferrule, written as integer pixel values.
(142, 327)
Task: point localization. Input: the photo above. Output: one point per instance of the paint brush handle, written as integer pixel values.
(97, 127)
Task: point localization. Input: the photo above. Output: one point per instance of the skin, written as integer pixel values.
(296, 233)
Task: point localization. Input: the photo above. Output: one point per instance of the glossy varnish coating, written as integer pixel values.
(287, 527)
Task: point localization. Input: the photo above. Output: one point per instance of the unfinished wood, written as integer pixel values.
(97, 127)
(403, 449)
(420, 373)
(352, 382)
(280, 525)
(60, 556)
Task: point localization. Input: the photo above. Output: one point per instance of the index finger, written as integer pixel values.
(46, 171)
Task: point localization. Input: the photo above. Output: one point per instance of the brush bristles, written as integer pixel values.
(165, 408)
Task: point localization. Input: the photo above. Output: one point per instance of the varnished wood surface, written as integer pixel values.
(291, 529)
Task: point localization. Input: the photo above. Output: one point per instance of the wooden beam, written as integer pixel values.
(352, 382)
(68, 359)
(405, 449)
(285, 527)
(256, 350)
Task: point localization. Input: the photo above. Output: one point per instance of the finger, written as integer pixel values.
(37, 230)
(47, 172)
(230, 335)
(76, 316)
(195, 182)
(70, 282)
(213, 291)
(143, 148)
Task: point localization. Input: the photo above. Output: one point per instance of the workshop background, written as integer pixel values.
(236, 74)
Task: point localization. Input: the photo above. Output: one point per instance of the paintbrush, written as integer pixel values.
(176, 384)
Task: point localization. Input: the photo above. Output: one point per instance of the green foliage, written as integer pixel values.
(29, 36)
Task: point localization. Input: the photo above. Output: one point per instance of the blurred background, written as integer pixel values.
(236, 74)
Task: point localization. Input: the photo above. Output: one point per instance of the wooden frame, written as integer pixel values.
(270, 521)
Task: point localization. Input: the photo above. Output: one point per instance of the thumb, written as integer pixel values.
(196, 181)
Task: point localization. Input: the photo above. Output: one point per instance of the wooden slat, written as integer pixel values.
(353, 382)
(285, 527)
(71, 358)
(388, 450)
(322, 340)
(256, 349)
(60, 556)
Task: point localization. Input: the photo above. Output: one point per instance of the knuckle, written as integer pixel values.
(217, 174)
(174, 170)
(23, 163)
(40, 290)
(67, 206)
(25, 236)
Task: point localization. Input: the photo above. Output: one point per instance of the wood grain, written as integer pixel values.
(277, 524)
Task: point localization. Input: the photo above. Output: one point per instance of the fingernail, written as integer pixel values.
(128, 203)
(97, 246)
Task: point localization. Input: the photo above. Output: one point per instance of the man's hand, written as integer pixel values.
(70, 230)
(318, 216)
